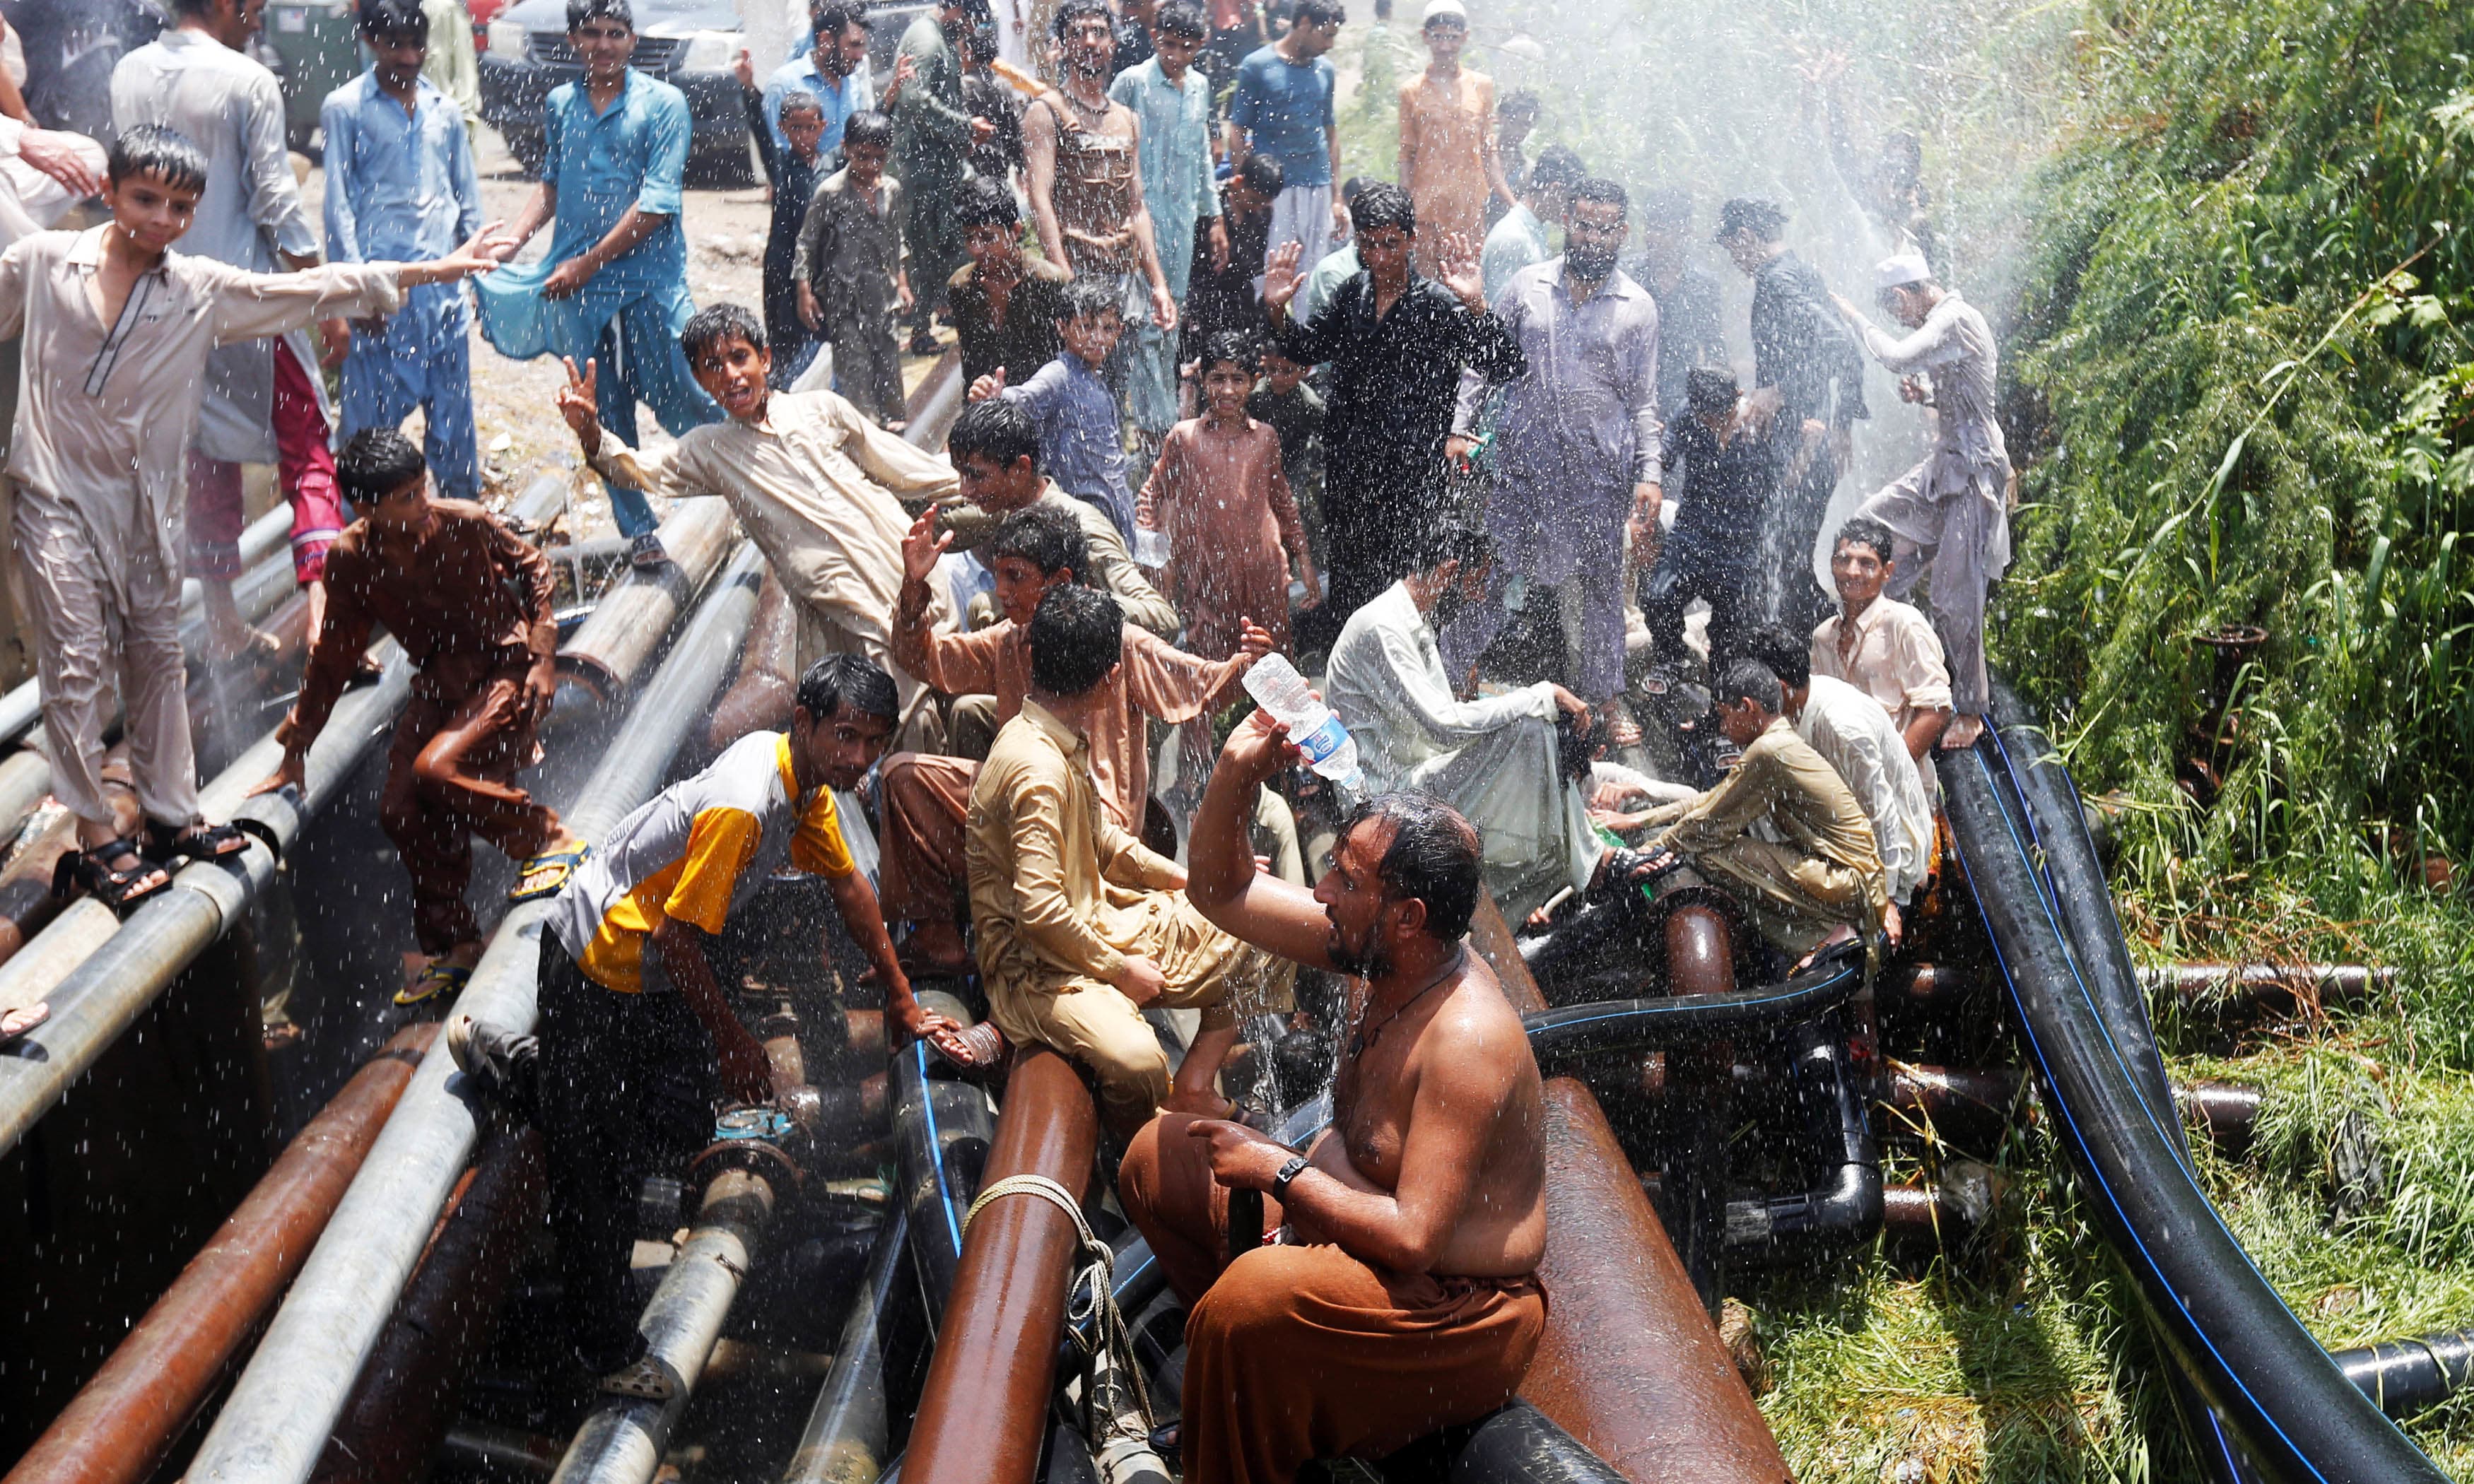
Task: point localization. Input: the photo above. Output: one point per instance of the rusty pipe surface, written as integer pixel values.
(1975, 1104)
(405, 1398)
(2278, 989)
(1630, 1363)
(1700, 960)
(761, 696)
(623, 1441)
(117, 1430)
(985, 1407)
(627, 624)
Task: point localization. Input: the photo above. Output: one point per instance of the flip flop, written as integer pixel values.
(547, 874)
(985, 1048)
(427, 985)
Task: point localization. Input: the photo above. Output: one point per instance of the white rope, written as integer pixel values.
(1109, 1336)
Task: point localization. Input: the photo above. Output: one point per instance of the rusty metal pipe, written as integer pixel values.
(2269, 988)
(761, 696)
(120, 1426)
(406, 1396)
(985, 1407)
(628, 624)
(1700, 962)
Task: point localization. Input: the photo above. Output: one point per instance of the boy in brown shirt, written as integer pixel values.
(470, 604)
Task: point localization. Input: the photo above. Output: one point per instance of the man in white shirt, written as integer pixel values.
(1495, 758)
(1519, 239)
(1883, 647)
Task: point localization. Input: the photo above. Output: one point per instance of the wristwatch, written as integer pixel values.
(1297, 1165)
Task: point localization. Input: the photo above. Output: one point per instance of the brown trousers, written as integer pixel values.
(1303, 1353)
(451, 775)
(920, 849)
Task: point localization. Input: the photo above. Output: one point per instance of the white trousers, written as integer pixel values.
(1965, 538)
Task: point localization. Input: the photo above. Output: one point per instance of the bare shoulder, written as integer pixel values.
(1476, 1038)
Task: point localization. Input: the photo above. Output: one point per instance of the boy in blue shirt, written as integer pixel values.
(1081, 445)
(1283, 107)
(402, 187)
(614, 286)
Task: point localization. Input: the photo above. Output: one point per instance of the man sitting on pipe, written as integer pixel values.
(638, 1040)
(1079, 923)
(1397, 1293)
(1820, 881)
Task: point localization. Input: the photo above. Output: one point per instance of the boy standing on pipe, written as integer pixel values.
(1398, 1293)
(472, 603)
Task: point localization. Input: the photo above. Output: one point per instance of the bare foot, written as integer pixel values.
(1962, 732)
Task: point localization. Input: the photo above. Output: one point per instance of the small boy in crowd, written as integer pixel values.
(795, 169)
(1081, 445)
(1295, 410)
(852, 270)
(987, 96)
(1005, 305)
(115, 329)
(401, 184)
(472, 605)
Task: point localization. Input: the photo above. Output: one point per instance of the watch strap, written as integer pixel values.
(1297, 1165)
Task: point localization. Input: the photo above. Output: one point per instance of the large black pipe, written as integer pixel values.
(1846, 1207)
(849, 1430)
(2405, 1377)
(941, 1132)
(2286, 1404)
(1640, 1024)
(1521, 1445)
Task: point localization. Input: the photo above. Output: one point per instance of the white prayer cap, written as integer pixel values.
(1898, 270)
(1443, 9)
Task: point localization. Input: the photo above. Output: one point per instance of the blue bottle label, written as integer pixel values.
(1324, 740)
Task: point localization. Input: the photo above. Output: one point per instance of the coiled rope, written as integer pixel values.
(1094, 1323)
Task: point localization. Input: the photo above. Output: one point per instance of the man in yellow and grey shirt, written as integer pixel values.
(638, 1041)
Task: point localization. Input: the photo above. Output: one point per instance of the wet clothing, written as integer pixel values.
(1113, 568)
(1180, 196)
(1721, 491)
(1081, 445)
(627, 317)
(1447, 133)
(217, 516)
(1061, 896)
(850, 252)
(105, 419)
(1286, 110)
(923, 801)
(838, 97)
(695, 851)
(1223, 500)
(1892, 655)
(795, 182)
(1854, 737)
(403, 187)
(1097, 175)
(987, 96)
(1689, 336)
(1800, 347)
(472, 605)
(31, 200)
(1394, 381)
(1304, 1351)
(1517, 242)
(1578, 429)
(1950, 508)
(819, 489)
(1227, 299)
(1821, 871)
(1027, 340)
(1493, 758)
(453, 65)
(931, 144)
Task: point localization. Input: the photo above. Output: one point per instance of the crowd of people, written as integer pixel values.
(1224, 403)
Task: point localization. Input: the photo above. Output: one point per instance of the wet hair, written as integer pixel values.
(1599, 188)
(1789, 657)
(831, 21)
(1520, 99)
(1352, 188)
(981, 201)
(1078, 635)
(163, 155)
(1235, 346)
(715, 324)
(1766, 220)
(1073, 12)
(998, 430)
(868, 127)
(376, 463)
(1319, 12)
(1709, 391)
(1865, 531)
(854, 678)
(1182, 19)
(578, 11)
(1454, 541)
(1264, 174)
(382, 18)
(1433, 859)
(1750, 680)
(1045, 536)
(799, 100)
(1666, 210)
(1383, 204)
(1088, 298)
(1557, 166)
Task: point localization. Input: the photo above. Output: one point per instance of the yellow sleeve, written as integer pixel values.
(818, 848)
(719, 846)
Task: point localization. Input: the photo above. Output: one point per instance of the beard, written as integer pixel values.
(1366, 961)
(1591, 264)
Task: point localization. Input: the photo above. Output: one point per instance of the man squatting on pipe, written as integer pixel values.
(1397, 1291)
(638, 1040)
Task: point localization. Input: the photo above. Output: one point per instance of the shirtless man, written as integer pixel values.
(1398, 1292)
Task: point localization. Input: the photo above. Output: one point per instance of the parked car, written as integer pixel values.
(317, 45)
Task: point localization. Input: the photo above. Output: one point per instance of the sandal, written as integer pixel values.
(200, 841)
(91, 873)
(641, 1381)
(427, 985)
(1622, 870)
(547, 874)
(985, 1049)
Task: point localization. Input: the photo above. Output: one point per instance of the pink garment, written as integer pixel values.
(1223, 501)
(305, 470)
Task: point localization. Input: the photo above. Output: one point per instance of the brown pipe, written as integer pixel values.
(119, 1426)
(635, 615)
(1700, 960)
(761, 697)
(1630, 1363)
(2225, 1112)
(984, 1408)
(1926, 985)
(409, 1390)
(1971, 1105)
(2268, 988)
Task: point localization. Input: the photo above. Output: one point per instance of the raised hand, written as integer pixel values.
(744, 69)
(1257, 641)
(1465, 286)
(578, 404)
(922, 545)
(1280, 278)
(987, 386)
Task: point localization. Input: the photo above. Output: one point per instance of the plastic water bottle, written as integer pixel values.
(1278, 688)
(1150, 548)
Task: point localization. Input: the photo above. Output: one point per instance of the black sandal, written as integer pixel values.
(1622, 869)
(169, 842)
(91, 873)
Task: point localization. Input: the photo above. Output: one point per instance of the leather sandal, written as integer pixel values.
(90, 872)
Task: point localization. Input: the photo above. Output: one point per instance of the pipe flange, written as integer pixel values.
(749, 1140)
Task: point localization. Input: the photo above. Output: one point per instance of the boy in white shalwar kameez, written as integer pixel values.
(116, 329)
